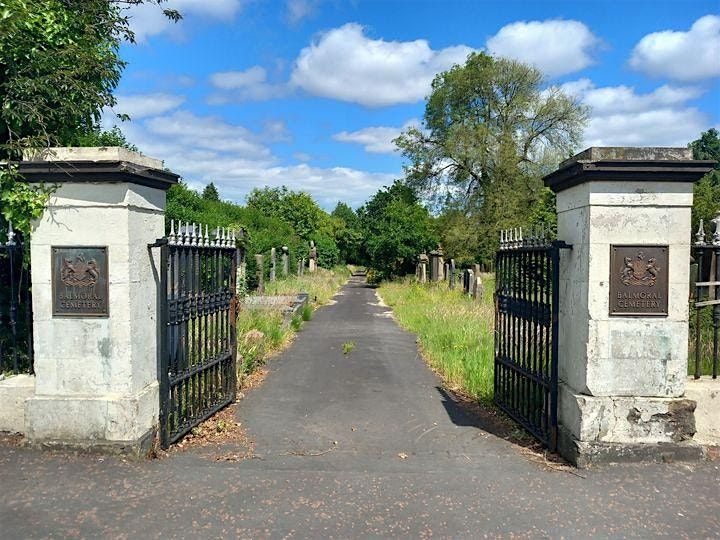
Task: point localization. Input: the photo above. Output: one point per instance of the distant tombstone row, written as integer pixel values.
(285, 261)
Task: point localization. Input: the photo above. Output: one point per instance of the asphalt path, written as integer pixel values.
(356, 445)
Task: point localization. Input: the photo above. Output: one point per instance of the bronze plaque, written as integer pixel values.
(639, 281)
(80, 281)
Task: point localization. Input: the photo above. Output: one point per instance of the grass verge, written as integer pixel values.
(455, 332)
(320, 285)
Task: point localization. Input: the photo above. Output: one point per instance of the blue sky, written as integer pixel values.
(310, 93)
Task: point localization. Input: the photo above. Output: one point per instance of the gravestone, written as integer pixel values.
(452, 274)
(312, 261)
(285, 261)
(260, 273)
(273, 262)
(421, 268)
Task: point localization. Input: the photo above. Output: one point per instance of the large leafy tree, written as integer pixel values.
(706, 204)
(489, 126)
(59, 66)
(396, 228)
(349, 234)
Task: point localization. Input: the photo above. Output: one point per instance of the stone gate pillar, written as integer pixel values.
(95, 296)
(623, 332)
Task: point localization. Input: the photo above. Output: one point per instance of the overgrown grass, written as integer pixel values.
(320, 285)
(456, 332)
(706, 341)
(263, 332)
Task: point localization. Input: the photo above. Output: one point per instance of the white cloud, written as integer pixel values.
(345, 64)
(207, 149)
(297, 10)
(139, 106)
(682, 56)
(377, 140)
(622, 117)
(556, 46)
(250, 84)
(148, 20)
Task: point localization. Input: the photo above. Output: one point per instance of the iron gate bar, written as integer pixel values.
(526, 328)
(197, 322)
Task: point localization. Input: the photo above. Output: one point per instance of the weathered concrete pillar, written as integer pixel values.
(285, 261)
(273, 262)
(260, 273)
(623, 314)
(95, 299)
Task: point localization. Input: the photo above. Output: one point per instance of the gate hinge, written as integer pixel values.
(562, 244)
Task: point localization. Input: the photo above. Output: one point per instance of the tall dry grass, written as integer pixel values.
(455, 332)
(321, 285)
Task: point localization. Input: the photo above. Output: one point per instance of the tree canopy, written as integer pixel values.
(706, 204)
(59, 66)
(489, 131)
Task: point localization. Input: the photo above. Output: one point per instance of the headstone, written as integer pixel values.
(451, 266)
(420, 274)
(260, 273)
(478, 288)
(436, 264)
(273, 262)
(470, 280)
(285, 261)
(313, 257)
(302, 267)
(622, 357)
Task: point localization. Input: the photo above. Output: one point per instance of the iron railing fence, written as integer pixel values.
(16, 341)
(705, 302)
(198, 351)
(526, 331)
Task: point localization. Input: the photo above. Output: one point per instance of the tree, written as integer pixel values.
(211, 193)
(59, 66)
(488, 127)
(294, 207)
(396, 228)
(706, 205)
(349, 234)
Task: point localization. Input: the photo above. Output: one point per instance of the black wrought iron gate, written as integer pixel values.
(198, 345)
(526, 329)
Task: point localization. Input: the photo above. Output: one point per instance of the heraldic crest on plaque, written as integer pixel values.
(639, 271)
(639, 281)
(80, 281)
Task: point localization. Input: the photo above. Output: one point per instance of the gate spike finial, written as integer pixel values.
(700, 234)
(206, 239)
(171, 236)
(716, 235)
(10, 235)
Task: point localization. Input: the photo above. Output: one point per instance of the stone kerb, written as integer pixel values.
(96, 376)
(622, 377)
